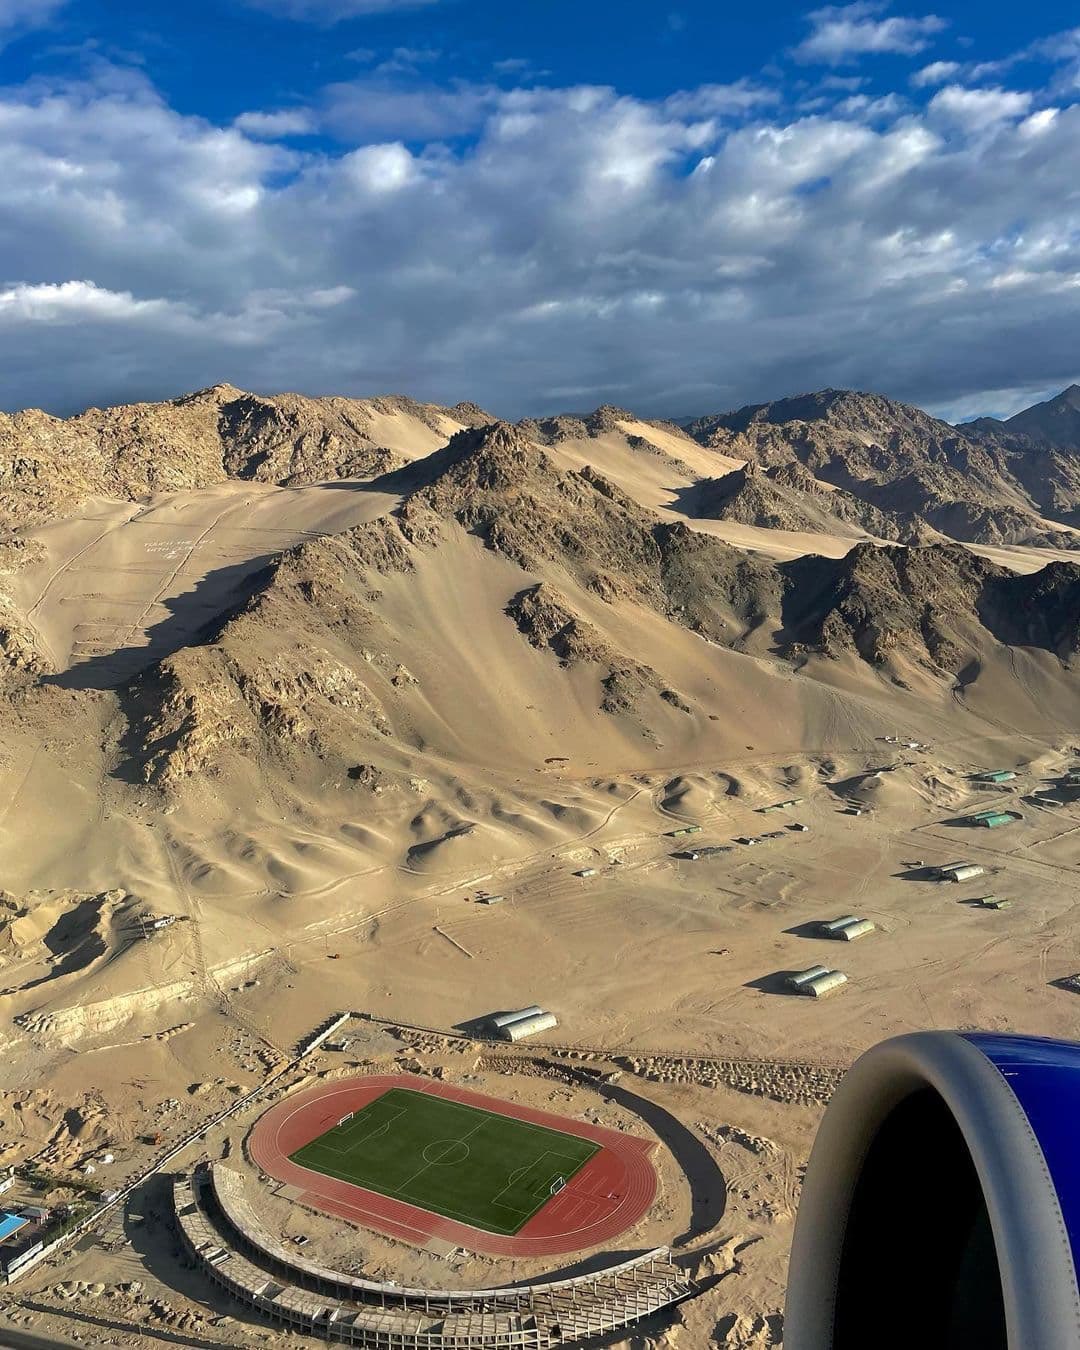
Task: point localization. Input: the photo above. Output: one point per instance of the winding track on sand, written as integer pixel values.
(609, 1195)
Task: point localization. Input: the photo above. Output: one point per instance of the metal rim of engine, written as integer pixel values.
(1042, 1306)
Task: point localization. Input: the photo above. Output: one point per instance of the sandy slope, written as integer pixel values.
(131, 582)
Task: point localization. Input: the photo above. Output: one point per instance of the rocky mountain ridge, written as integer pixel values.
(49, 464)
(313, 663)
(972, 484)
(1055, 422)
(310, 666)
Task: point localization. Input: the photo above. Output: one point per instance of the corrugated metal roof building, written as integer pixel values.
(960, 872)
(851, 931)
(529, 1026)
(802, 977)
(824, 984)
(504, 1019)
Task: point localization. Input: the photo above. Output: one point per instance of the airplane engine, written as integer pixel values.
(941, 1205)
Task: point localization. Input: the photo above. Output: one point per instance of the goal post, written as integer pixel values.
(345, 1118)
(557, 1185)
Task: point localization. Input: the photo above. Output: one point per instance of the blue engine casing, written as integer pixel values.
(941, 1205)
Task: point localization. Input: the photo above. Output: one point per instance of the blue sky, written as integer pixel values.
(539, 206)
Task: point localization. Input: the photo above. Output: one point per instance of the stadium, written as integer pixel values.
(435, 1178)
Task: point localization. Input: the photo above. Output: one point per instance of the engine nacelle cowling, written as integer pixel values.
(941, 1205)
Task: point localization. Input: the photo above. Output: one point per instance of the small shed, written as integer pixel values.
(707, 851)
(993, 902)
(995, 776)
(530, 1026)
(795, 982)
(960, 872)
(993, 819)
(846, 929)
(503, 1020)
(824, 984)
(830, 926)
(851, 931)
(586, 872)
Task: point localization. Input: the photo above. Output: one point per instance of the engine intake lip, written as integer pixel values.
(1030, 1236)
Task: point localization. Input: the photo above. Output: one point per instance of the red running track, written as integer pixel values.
(610, 1194)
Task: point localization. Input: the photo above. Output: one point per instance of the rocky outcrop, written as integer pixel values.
(940, 606)
(543, 615)
(971, 483)
(1055, 422)
(48, 464)
(290, 673)
(22, 654)
(789, 497)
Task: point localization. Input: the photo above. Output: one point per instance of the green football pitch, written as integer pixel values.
(482, 1168)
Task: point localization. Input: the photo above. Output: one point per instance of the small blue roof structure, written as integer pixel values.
(10, 1224)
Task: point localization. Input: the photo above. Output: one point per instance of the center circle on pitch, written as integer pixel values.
(446, 1151)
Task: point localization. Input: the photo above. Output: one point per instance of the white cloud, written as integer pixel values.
(19, 15)
(840, 34)
(1039, 121)
(30, 12)
(871, 109)
(1063, 46)
(75, 301)
(720, 100)
(937, 72)
(381, 168)
(270, 125)
(976, 109)
(678, 254)
(408, 60)
(333, 11)
(376, 107)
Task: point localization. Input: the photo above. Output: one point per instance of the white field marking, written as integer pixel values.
(544, 1196)
(475, 1129)
(353, 1144)
(449, 1145)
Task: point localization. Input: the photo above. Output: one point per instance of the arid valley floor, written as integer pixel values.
(312, 679)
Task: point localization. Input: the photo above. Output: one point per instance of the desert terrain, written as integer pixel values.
(312, 680)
